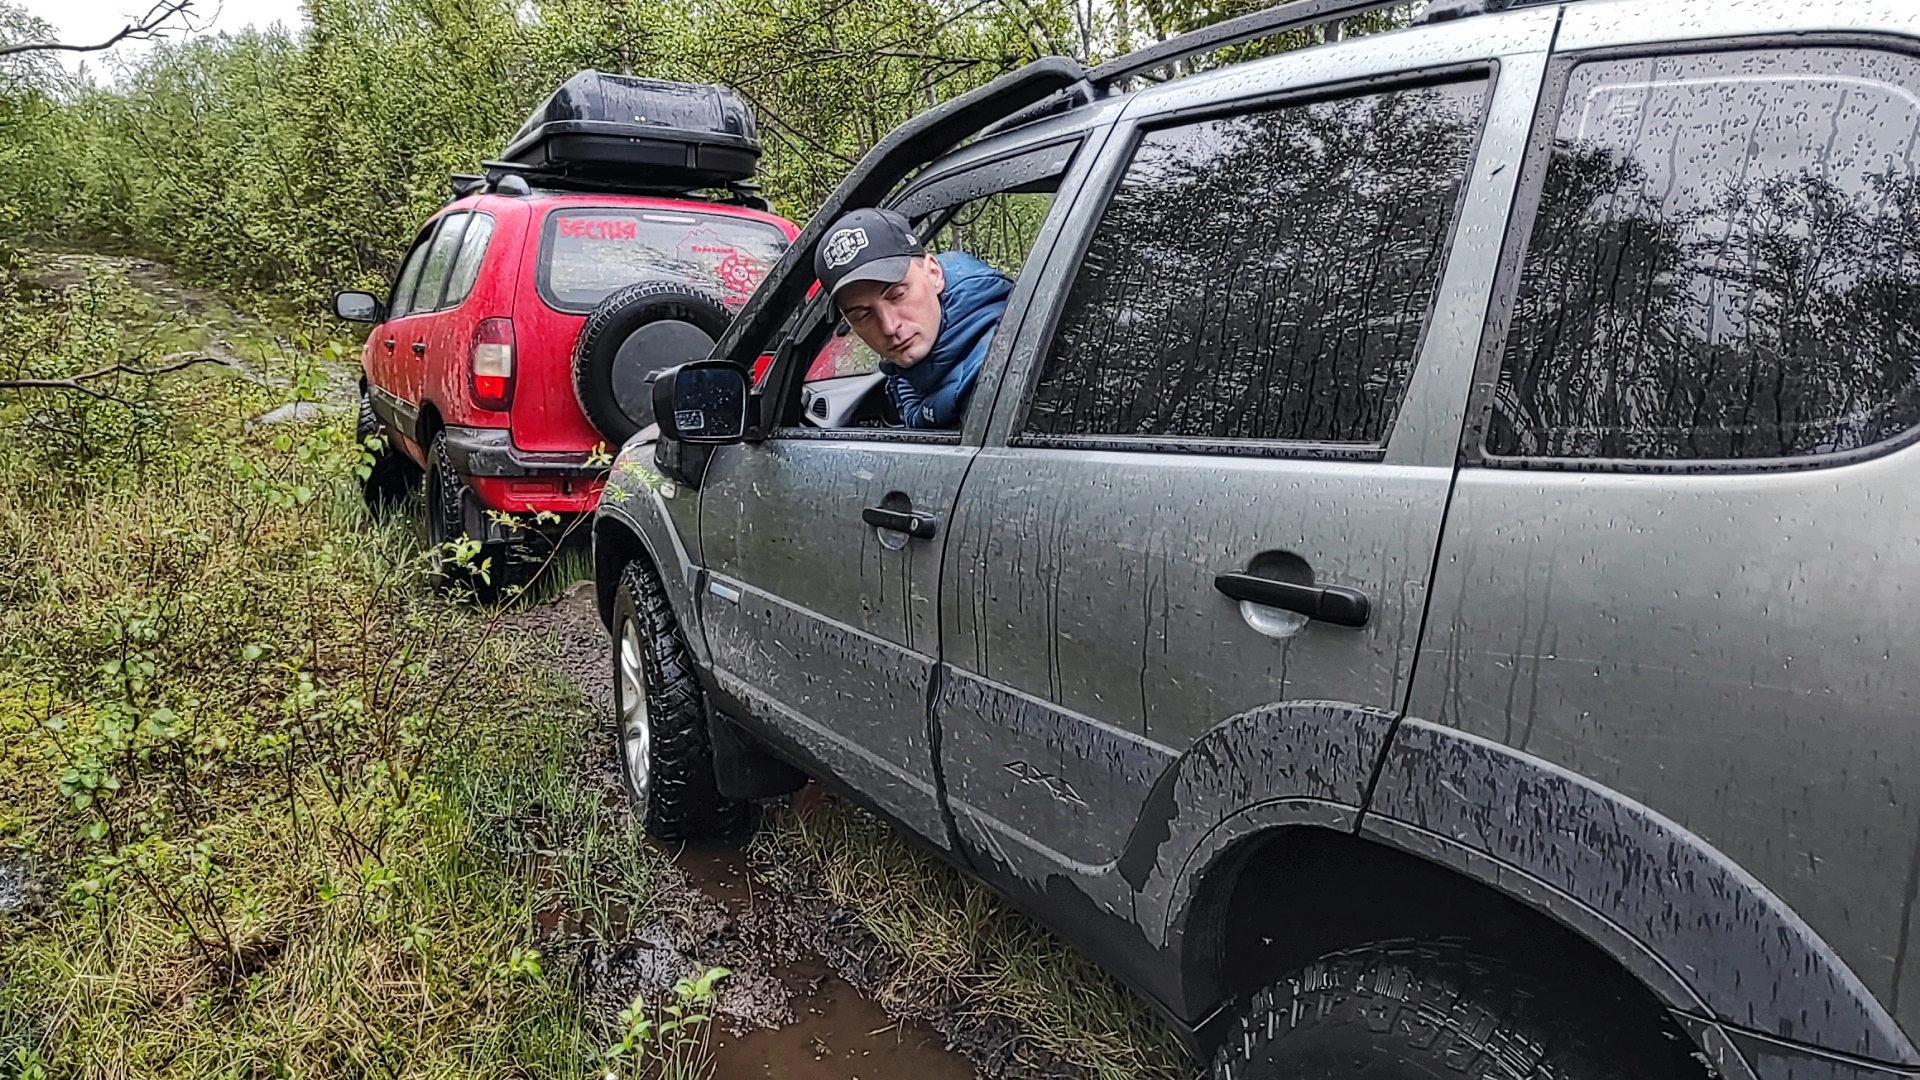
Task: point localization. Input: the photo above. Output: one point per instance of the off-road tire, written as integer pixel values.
(393, 473)
(1413, 1010)
(683, 314)
(678, 800)
(444, 491)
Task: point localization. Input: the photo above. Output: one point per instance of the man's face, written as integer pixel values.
(899, 321)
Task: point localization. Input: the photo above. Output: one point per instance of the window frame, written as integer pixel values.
(1519, 234)
(1108, 186)
(794, 355)
(422, 242)
(457, 240)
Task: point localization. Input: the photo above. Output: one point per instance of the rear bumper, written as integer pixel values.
(490, 452)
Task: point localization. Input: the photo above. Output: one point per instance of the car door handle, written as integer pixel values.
(389, 344)
(1327, 603)
(419, 348)
(918, 526)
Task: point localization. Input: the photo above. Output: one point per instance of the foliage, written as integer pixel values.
(297, 162)
(671, 1040)
(276, 792)
(948, 943)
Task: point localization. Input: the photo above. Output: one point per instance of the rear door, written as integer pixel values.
(1253, 385)
(823, 628)
(421, 335)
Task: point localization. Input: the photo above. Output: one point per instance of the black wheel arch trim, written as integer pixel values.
(1698, 930)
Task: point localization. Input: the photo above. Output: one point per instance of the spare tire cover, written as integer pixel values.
(635, 332)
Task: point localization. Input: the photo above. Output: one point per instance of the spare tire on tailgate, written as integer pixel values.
(635, 332)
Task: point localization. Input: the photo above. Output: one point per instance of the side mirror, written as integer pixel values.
(358, 307)
(702, 402)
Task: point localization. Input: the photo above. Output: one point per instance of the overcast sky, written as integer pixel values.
(91, 21)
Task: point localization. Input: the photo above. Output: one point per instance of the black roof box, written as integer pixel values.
(642, 133)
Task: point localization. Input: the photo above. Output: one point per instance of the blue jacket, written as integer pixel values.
(933, 393)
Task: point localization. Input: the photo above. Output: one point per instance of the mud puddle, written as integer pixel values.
(783, 1012)
(836, 1034)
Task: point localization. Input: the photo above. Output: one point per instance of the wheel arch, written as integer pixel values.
(426, 424)
(634, 520)
(1684, 919)
(1292, 890)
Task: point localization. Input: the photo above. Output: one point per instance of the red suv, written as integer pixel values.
(510, 359)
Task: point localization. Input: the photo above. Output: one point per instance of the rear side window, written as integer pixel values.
(588, 254)
(439, 264)
(1725, 262)
(400, 304)
(1264, 276)
(466, 265)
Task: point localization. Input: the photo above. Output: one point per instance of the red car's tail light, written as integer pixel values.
(491, 363)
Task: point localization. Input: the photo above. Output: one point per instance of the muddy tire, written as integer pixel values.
(1410, 1010)
(666, 758)
(393, 473)
(635, 332)
(444, 500)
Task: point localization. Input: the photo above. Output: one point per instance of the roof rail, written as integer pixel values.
(907, 147)
(1278, 19)
(1235, 31)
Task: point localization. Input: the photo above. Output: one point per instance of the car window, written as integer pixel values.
(1725, 262)
(400, 304)
(999, 229)
(466, 265)
(587, 254)
(1263, 276)
(433, 272)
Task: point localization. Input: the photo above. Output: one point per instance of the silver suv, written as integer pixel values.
(1421, 587)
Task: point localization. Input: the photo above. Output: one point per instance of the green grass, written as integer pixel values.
(952, 944)
(294, 812)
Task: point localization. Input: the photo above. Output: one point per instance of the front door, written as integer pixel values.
(823, 625)
(1234, 414)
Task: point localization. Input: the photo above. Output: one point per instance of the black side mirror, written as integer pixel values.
(358, 307)
(702, 402)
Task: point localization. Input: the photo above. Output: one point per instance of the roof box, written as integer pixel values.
(638, 133)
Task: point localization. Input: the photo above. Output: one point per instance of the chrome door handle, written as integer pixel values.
(1327, 603)
(419, 348)
(389, 344)
(918, 526)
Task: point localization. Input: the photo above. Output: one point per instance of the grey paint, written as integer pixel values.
(835, 632)
(1734, 651)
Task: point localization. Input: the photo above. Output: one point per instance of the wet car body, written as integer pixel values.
(1613, 652)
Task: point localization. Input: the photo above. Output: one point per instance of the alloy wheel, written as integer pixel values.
(636, 729)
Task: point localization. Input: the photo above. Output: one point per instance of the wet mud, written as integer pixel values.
(793, 1005)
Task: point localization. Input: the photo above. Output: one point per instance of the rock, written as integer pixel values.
(13, 885)
(296, 413)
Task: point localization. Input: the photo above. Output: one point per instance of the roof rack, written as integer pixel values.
(1252, 26)
(1267, 22)
(500, 176)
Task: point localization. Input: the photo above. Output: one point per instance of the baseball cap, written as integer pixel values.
(866, 245)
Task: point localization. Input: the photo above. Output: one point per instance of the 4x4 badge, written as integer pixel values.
(843, 246)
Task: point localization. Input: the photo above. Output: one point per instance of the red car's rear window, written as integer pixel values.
(587, 253)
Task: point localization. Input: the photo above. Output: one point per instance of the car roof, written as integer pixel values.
(542, 201)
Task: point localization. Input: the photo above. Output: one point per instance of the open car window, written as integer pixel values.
(993, 212)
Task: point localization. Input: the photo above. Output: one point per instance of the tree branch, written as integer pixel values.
(146, 26)
(77, 383)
